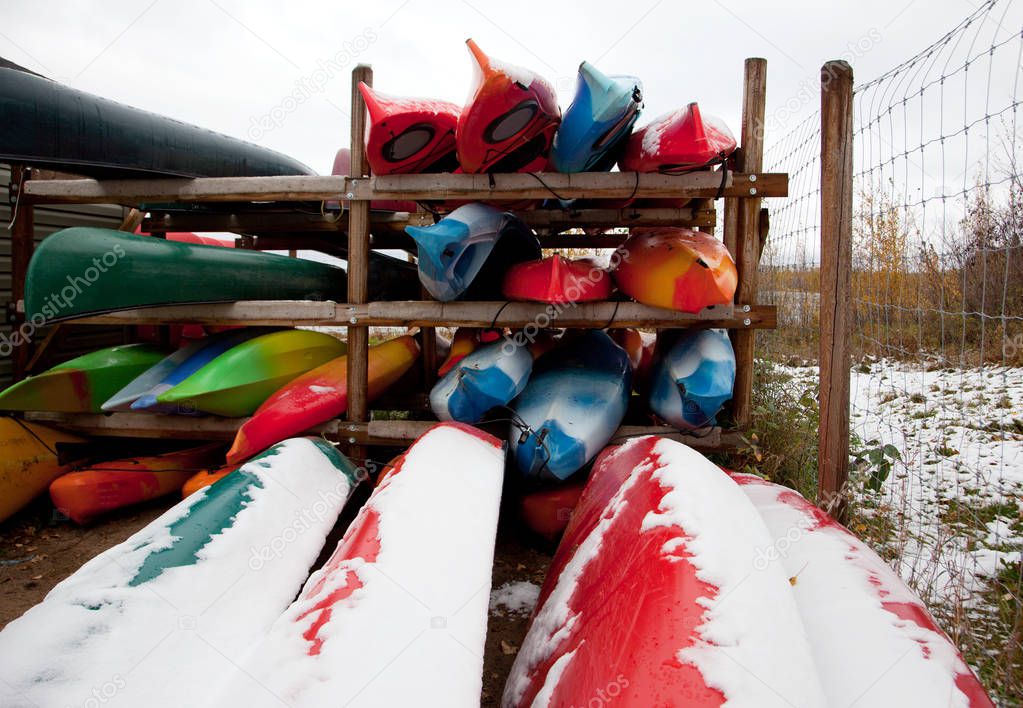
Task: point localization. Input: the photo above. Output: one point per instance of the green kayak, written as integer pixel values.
(239, 380)
(81, 385)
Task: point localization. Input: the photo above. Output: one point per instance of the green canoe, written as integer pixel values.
(239, 380)
(81, 385)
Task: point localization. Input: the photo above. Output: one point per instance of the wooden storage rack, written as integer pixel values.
(350, 236)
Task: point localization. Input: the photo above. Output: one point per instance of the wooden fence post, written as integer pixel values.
(836, 274)
(22, 245)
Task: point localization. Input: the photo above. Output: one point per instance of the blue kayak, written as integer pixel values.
(692, 378)
(140, 385)
(594, 128)
(210, 348)
(489, 377)
(572, 406)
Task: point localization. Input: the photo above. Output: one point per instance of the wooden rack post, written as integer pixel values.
(22, 245)
(836, 275)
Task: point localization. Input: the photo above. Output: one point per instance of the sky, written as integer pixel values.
(278, 73)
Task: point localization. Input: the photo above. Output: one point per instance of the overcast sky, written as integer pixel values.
(277, 72)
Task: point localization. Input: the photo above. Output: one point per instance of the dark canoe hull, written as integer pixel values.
(48, 124)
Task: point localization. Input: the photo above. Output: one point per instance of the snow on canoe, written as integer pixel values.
(168, 613)
(409, 134)
(489, 377)
(692, 377)
(29, 463)
(652, 598)
(398, 614)
(678, 141)
(871, 635)
(557, 280)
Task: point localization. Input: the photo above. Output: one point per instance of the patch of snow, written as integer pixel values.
(516, 597)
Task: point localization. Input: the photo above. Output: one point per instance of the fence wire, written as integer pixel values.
(937, 381)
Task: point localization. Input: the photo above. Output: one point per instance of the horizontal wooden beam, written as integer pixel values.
(442, 314)
(515, 186)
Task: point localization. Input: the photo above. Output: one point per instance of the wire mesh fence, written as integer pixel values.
(937, 295)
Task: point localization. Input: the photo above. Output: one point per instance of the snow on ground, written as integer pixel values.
(514, 598)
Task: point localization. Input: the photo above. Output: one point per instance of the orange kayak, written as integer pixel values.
(203, 479)
(90, 492)
(464, 343)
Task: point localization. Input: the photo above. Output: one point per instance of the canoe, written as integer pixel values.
(652, 600)
(487, 378)
(141, 271)
(465, 342)
(509, 121)
(557, 280)
(187, 596)
(640, 346)
(29, 463)
(238, 381)
(318, 396)
(409, 135)
(403, 598)
(676, 268)
(859, 615)
(82, 384)
(574, 402)
(90, 492)
(546, 512)
(49, 124)
(692, 377)
(466, 254)
(597, 124)
(680, 141)
(204, 478)
(185, 362)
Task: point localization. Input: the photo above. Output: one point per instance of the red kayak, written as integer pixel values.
(90, 492)
(557, 280)
(510, 120)
(680, 141)
(546, 512)
(189, 237)
(318, 396)
(409, 134)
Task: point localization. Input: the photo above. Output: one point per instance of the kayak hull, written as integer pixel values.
(409, 135)
(682, 140)
(203, 479)
(489, 377)
(557, 280)
(692, 378)
(29, 463)
(546, 512)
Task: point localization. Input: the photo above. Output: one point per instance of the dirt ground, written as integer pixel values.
(38, 549)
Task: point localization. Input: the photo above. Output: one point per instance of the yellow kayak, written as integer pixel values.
(28, 462)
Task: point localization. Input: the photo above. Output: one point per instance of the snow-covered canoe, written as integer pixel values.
(160, 619)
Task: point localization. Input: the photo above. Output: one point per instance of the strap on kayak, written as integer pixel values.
(546, 186)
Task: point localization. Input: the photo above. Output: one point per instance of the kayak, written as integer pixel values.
(49, 124)
(859, 615)
(185, 362)
(465, 342)
(409, 134)
(203, 479)
(82, 384)
(546, 511)
(167, 613)
(90, 492)
(676, 268)
(509, 121)
(692, 377)
(130, 271)
(141, 384)
(398, 614)
(597, 124)
(238, 381)
(557, 280)
(319, 395)
(573, 404)
(652, 600)
(640, 346)
(466, 254)
(29, 463)
(680, 141)
(489, 377)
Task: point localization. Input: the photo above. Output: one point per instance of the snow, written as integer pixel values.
(517, 597)
(400, 610)
(170, 640)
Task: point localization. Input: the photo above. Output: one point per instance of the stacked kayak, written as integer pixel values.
(409, 134)
(557, 280)
(641, 348)
(204, 478)
(693, 376)
(465, 342)
(680, 141)
(487, 378)
(31, 460)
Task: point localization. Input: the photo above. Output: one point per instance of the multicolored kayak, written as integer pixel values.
(465, 342)
(29, 463)
(489, 377)
(409, 134)
(641, 347)
(692, 377)
(82, 384)
(653, 597)
(596, 126)
(186, 361)
(166, 615)
(546, 512)
(466, 254)
(572, 405)
(93, 491)
(860, 617)
(680, 141)
(676, 268)
(557, 280)
(508, 123)
(319, 395)
(238, 381)
(399, 611)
